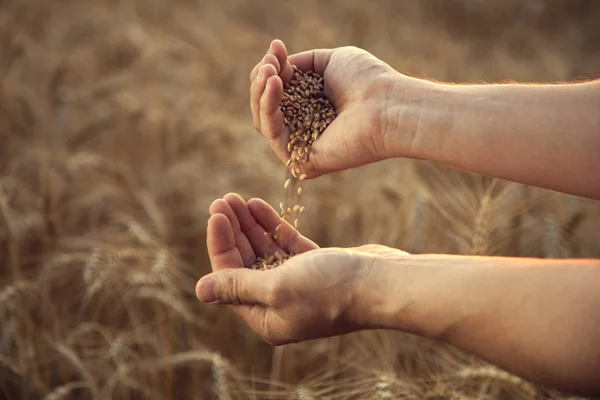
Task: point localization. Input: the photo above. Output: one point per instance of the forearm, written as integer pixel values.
(544, 135)
(536, 318)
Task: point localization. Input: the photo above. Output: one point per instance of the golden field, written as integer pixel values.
(122, 120)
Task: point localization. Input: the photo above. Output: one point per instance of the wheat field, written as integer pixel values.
(122, 120)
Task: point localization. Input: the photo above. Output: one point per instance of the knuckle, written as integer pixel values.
(371, 248)
(234, 290)
(366, 247)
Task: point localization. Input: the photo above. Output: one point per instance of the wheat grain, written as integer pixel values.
(382, 389)
(270, 262)
(307, 113)
(161, 261)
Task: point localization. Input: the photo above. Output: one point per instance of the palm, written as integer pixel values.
(346, 143)
(309, 296)
(349, 141)
(236, 233)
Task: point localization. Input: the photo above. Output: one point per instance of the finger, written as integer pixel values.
(268, 58)
(312, 60)
(222, 250)
(271, 118)
(254, 72)
(279, 50)
(263, 244)
(255, 69)
(288, 237)
(221, 206)
(239, 286)
(271, 59)
(256, 90)
(274, 50)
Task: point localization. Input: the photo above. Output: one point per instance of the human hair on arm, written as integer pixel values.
(545, 135)
(535, 318)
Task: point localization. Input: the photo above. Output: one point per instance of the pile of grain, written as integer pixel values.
(272, 261)
(307, 113)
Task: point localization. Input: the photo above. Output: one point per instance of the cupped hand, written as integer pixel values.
(312, 295)
(358, 84)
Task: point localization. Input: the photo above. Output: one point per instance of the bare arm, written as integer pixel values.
(543, 135)
(536, 318)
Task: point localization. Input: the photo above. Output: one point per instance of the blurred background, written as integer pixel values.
(122, 120)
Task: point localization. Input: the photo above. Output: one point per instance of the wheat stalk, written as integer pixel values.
(382, 389)
(222, 386)
(498, 375)
(417, 225)
(481, 230)
(13, 253)
(69, 355)
(169, 301)
(303, 393)
(551, 244)
(64, 391)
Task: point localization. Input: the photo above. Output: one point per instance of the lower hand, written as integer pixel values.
(315, 294)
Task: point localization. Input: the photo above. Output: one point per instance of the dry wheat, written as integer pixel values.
(494, 374)
(138, 132)
(481, 229)
(382, 389)
(303, 393)
(222, 385)
(64, 391)
(307, 113)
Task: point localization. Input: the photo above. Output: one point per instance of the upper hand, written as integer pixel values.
(312, 295)
(359, 86)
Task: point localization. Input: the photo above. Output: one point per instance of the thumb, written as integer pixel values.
(234, 286)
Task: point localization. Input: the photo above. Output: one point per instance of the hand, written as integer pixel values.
(360, 87)
(315, 294)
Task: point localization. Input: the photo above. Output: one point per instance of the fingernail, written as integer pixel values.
(206, 291)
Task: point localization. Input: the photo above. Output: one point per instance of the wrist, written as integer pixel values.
(407, 293)
(378, 303)
(415, 115)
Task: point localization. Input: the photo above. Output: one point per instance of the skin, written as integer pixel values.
(538, 323)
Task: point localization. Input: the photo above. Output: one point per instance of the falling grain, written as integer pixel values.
(306, 112)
